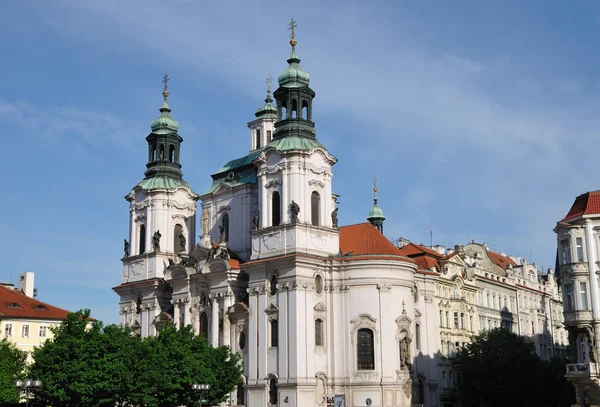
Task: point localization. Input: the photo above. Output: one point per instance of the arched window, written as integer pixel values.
(176, 241)
(318, 332)
(418, 336)
(138, 305)
(142, 239)
(304, 109)
(225, 225)
(257, 138)
(161, 154)
(273, 391)
(365, 350)
(276, 209)
(294, 109)
(171, 153)
(154, 152)
(283, 114)
(273, 285)
(274, 333)
(315, 204)
(204, 324)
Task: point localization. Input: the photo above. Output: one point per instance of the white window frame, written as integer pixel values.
(25, 331)
(8, 330)
(579, 248)
(43, 329)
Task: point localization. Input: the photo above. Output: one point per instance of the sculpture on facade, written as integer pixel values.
(405, 352)
(156, 241)
(126, 247)
(255, 219)
(334, 218)
(182, 242)
(205, 221)
(223, 234)
(295, 209)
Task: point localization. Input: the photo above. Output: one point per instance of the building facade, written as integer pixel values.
(578, 253)
(24, 320)
(319, 312)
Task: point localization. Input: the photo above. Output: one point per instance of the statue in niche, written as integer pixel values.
(126, 247)
(405, 352)
(223, 234)
(205, 221)
(255, 220)
(182, 242)
(334, 218)
(295, 210)
(156, 241)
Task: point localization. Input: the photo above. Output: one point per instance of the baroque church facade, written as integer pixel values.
(319, 312)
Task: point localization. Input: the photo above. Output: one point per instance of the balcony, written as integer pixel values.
(582, 370)
(579, 317)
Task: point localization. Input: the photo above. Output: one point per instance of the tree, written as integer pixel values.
(499, 368)
(12, 365)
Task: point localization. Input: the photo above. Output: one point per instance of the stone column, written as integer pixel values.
(228, 302)
(187, 316)
(215, 322)
(175, 313)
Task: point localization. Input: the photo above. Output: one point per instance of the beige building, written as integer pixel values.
(24, 320)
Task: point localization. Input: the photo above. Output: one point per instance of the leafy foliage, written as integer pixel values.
(12, 364)
(499, 368)
(89, 365)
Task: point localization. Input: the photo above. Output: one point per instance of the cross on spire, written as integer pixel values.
(165, 80)
(375, 186)
(268, 82)
(293, 25)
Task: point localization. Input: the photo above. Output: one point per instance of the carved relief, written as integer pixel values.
(318, 241)
(407, 387)
(272, 183)
(314, 182)
(272, 240)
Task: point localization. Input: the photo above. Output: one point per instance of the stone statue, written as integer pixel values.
(405, 352)
(334, 219)
(182, 242)
(205, 221)
(126, 247)
(156, 241)
(295, 209)
(223, 234)
(255, 220)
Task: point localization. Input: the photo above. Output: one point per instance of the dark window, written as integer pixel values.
(142, 239)
(276, 209)
(418, 336)
(274, 333)
(176, 242)
(225, 224)
(257, 138)
(171, 153)
(273, 392)
(161, 154)
(154, 153)
(273, 285)
(318, 332)
(242, 340)
(304, 109)
(294, 109)
(269, 136)
(456, 320)
(315, 204)
(204, 325)
(240, 395)
(138, 305)
(365, 350)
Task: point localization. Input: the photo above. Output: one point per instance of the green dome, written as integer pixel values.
(165, 124)
(293, 76)
(267, 111)
(376, 213)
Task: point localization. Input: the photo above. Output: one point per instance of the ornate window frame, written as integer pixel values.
(359, 322)
(320, 312)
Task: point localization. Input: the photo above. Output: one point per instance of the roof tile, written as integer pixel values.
(585, 204)
(27, 307)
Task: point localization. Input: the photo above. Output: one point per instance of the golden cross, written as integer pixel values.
(293, 25)
(268, 82)
(375, 184)
(165, 80)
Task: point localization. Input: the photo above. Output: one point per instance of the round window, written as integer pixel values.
(242, 340)
(319, 284)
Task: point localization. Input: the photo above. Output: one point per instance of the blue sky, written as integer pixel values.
(485, 115)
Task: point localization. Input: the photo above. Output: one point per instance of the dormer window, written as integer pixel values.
(14, 305)
(40, 307)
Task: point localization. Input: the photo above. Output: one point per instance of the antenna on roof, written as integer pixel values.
(430, 230)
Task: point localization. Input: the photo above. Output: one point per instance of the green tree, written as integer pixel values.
(12, 365)
(85, 364)
(498, 368)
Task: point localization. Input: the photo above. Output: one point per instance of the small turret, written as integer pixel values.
(376, 213)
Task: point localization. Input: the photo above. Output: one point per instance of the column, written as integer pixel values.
(226, 324)
(263, 202)
(591, 259)
(215, 322)
(252, 338)
(285, 200)
(176, 313)
(187, 316)
(144, 321)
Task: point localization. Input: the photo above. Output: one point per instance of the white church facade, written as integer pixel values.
(319, 312)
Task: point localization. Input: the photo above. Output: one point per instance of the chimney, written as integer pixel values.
(458, 248)
(439, 249)
(26, 283)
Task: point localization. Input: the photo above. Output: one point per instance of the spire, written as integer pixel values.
(376, 213)
(268, 111)
(293, 76)
(164, 142)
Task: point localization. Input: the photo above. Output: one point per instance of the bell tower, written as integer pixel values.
(261, 129)
(162, 225)
(294, 174)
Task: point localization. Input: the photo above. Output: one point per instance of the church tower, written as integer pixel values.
(376, 217)
(162, 221)
(261, 129)
(294, 174)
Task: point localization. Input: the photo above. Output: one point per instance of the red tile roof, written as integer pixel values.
(585, 204)
(234, 264)
(365, 239)
(426, 263)
(15, 304)
(502, 261)
(412, 249)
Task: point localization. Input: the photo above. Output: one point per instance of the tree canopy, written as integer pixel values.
(500, 368)
(90, 365)
(12, 364)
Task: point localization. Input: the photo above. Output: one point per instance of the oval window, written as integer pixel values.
(242, 340)
(319, 284)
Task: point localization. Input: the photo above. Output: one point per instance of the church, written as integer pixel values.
(322, 314)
